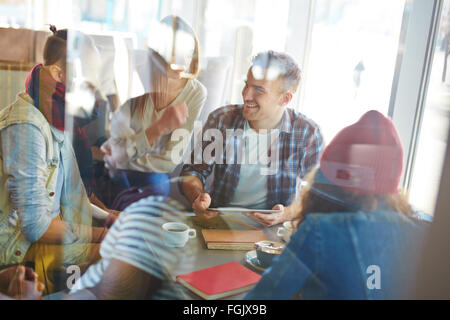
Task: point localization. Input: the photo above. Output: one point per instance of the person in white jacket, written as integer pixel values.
(141, 144)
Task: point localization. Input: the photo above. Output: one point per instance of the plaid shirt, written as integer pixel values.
(299, 147)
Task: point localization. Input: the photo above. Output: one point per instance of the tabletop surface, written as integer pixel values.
(196, 256)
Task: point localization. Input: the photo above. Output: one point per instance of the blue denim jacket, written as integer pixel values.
(347, 256)
(32, 175)
(25, 186)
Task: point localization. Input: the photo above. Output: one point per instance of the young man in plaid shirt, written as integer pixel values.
(294, 147)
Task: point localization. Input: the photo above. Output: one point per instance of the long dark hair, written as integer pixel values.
(55, 47)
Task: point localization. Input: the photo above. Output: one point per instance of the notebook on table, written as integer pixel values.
(232, 239)
(220, 281)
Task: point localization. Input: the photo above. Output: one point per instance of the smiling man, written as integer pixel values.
(265, 134)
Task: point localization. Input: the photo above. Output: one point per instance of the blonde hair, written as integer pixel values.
(159, 67)
(178, 24)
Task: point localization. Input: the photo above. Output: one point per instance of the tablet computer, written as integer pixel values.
(237, 210)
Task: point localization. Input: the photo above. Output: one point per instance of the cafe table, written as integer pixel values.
(196, 256)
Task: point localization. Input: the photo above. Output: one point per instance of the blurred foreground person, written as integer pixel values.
(358, 237)
(136, 263)
(142, 147)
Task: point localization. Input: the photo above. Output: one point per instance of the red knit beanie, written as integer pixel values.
(366, 157)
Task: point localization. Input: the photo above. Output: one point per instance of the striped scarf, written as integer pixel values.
(48, 95)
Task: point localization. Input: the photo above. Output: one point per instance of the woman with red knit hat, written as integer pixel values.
(357, 238)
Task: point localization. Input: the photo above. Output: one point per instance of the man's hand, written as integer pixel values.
(24, 288)
(271, 219)
(174, 116)
(201, 205)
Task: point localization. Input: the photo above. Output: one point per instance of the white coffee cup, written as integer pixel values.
(285, 232)
(177, 234)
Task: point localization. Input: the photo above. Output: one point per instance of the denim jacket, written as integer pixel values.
(74, 203)
(346, 256)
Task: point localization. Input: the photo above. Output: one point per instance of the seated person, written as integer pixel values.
(358, 237)
(80, 140)
(282, 144)
(20, 283)
(45, 214)
(136, 263)
(141, 130)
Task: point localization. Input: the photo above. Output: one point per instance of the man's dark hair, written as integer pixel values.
(55, 47)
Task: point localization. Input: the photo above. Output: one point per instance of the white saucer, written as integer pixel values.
(236, 209)
(253, 261)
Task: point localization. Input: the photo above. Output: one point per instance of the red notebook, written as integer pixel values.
(220, 281)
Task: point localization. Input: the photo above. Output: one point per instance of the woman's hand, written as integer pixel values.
(174, 117)
(115, 150)
(97, 154)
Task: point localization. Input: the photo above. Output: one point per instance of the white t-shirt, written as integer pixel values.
(251, 191)
(136, 239)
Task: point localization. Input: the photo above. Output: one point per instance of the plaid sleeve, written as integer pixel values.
(312, 151)
(197, 166)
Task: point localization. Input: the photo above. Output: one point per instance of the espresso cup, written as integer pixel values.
(285, 232)
(266, 250)
(177, 234)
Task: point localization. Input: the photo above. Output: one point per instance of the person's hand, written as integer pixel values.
(99, 234)
(115, 150)
(97, 154)
(106, 147)
(8, 274)
(201, 205)
(111, 218)
(270, 219)
(174, 116)
(21, 288)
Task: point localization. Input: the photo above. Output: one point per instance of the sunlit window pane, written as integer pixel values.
(435, 124)
(351, 61)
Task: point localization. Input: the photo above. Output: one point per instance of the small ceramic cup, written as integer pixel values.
(177, 234)
(266, 250)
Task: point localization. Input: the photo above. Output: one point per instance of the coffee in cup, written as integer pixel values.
(177, 234)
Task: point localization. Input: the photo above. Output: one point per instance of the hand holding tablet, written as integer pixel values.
(242, 210)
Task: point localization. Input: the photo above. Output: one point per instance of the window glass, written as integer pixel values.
(432, 140)
(352, 58)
